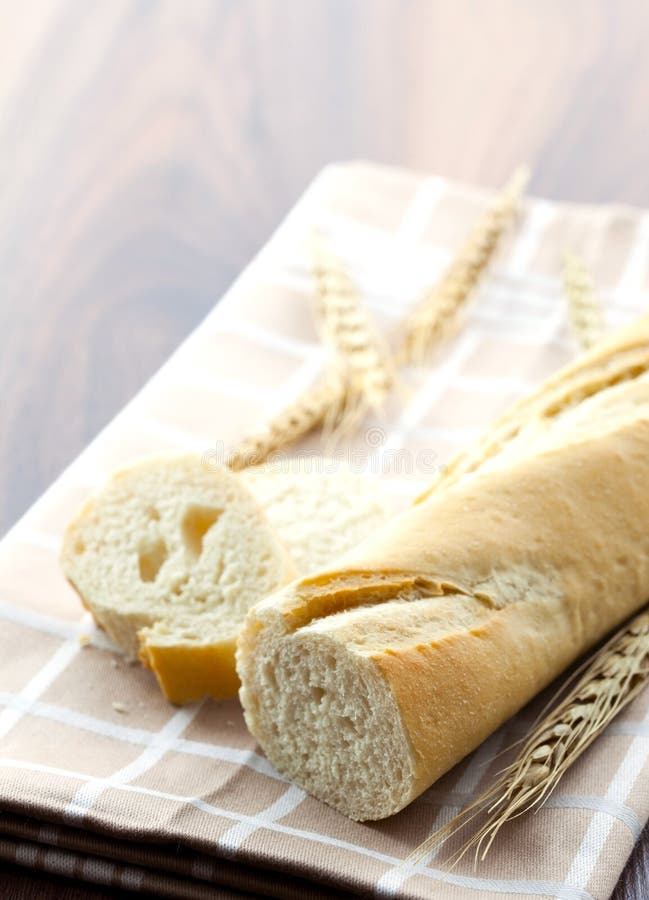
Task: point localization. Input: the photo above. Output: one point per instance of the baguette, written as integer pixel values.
(369, 680)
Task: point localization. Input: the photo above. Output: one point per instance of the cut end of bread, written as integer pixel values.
(325, 716)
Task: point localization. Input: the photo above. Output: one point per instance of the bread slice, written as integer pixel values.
(367, 682)
(171, 537)
(319, 510)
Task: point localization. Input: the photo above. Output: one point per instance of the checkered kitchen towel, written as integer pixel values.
(101, 779)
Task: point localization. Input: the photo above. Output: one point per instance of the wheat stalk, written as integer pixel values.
(323, 404)
(363, 371)
(608, 682)
(586, 317)
(357, 381)
(329, 404)
(437, 311)
(349, 330)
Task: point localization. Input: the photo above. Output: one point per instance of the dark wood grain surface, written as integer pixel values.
(147, 149)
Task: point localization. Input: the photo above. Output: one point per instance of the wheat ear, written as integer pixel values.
(363, 372)
(586, 316)
(320, 405)
(435, 314)
(608, 682)
(348, 329)
(357, 380)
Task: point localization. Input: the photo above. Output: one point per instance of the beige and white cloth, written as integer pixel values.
(101, 779)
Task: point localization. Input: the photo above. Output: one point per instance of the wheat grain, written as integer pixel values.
(607, 683)
(348, 329)
(437, 311)
(586, 317)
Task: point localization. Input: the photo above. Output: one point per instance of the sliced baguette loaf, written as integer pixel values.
(367, 682)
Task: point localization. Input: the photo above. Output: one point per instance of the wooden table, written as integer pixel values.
(147, 149)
